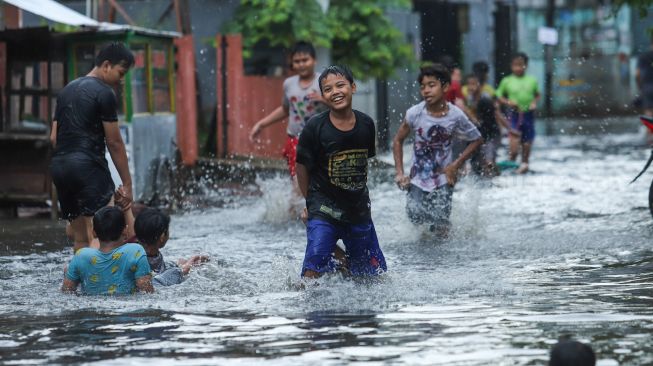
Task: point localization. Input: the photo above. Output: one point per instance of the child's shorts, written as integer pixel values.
(83, 185)
(433, 208)
(290, 153)
(524, 122)
(363, 253)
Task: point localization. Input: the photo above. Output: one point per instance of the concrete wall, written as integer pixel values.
(153, 139)
(588, 76)
(403, 90)
(478, 42)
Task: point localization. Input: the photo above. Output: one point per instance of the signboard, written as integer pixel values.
(547, 36)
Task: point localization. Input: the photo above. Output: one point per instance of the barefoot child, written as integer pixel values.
(520, 93)
(332, 175)
(480, 107)
(436, 123)
(152, 227)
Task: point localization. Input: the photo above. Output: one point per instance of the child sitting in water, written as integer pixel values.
(116, 267)
(152, 232)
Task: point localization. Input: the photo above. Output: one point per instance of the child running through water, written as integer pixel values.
(332, 174)
(152, 231)
(480, 107)
(301, 101)
(116, 268)
(520, 93)
(436, 123)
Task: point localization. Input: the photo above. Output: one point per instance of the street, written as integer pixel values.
(561, 251)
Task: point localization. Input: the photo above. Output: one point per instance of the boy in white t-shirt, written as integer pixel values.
(436, 123)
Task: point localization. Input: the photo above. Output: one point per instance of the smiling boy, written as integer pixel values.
(301, 101)
(332, 174)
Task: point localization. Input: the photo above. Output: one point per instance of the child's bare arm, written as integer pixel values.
(195, 260)
(53, 134)
(69, 286)
(144, 284)
(398, 153)
(277, 115)
(125, 205)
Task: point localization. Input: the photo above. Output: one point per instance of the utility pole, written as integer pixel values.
(548, 78)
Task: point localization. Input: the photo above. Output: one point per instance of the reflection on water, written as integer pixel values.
(563, 251)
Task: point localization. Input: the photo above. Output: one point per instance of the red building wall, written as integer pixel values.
(249, 98)
(185, 100)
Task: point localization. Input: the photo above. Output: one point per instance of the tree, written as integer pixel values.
(366, 39)
(363, 37)
(280, 23)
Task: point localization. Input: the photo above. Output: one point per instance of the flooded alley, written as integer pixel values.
(562, 251)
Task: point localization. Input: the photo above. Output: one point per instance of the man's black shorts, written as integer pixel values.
(83, 185)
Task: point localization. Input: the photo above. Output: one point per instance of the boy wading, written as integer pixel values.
(332, 173)
(435, 123)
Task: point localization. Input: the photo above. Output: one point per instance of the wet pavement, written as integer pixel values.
(563, 251)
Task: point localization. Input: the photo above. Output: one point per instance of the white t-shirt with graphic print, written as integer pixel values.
(432, 149)
(300, 107)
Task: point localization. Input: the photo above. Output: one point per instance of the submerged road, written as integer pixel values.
(563, 251)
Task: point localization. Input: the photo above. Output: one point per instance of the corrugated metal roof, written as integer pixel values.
(59, 13)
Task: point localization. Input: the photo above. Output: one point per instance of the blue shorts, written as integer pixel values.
(524, 122)
(362, 249)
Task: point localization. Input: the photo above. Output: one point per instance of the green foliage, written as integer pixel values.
(280, 23)
(362, 37)
(642, 6)
(366, 39)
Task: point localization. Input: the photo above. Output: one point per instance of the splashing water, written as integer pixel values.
(562, 251)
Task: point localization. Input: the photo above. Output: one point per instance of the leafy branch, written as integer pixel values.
(358, 32)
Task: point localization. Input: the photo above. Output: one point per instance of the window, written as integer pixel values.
(161, 79)
(140, 102)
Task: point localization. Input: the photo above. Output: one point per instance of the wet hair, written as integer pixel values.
(117, 54)
(572, 353)
(302, 47)
(340, 70)
(521, 55)
(448, 62)
(150, 224)
(108, 223)
(437, 71)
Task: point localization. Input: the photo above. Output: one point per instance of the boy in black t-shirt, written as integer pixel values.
(332, 174)
(86, 124)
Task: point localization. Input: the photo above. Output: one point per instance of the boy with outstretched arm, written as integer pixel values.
(332, 174)
(436, 123)
(152, 230)
(520, 93)
(116, 267)
(301, 101)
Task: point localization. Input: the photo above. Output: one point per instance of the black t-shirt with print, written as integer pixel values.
(82, 106)
(337, 165)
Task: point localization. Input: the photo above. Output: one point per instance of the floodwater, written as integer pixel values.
(564, 251)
